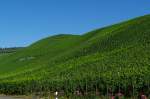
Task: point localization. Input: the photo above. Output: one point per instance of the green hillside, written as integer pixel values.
(107, 60)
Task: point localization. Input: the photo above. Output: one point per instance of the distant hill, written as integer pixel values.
(111, 59)
(9, 50)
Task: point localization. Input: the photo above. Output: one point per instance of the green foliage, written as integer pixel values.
(108, 60)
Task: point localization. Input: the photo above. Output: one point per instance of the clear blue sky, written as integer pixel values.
(23, 22)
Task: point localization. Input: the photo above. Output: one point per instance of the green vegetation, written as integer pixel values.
(9, 50)
(105, 61)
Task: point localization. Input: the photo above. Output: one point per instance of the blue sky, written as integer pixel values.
(23, 22)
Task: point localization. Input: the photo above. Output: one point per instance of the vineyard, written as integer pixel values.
(106, 61)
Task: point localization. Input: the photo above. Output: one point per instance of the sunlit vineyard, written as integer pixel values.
(103, 62)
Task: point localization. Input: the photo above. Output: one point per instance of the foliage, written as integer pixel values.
(108, 60)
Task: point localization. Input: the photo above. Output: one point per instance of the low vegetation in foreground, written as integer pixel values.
(106, 61)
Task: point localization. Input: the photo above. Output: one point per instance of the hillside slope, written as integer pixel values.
(116, 57)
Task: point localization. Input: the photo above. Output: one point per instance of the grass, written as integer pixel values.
(107, 60)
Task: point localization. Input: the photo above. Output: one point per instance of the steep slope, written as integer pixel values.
(116, 57)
